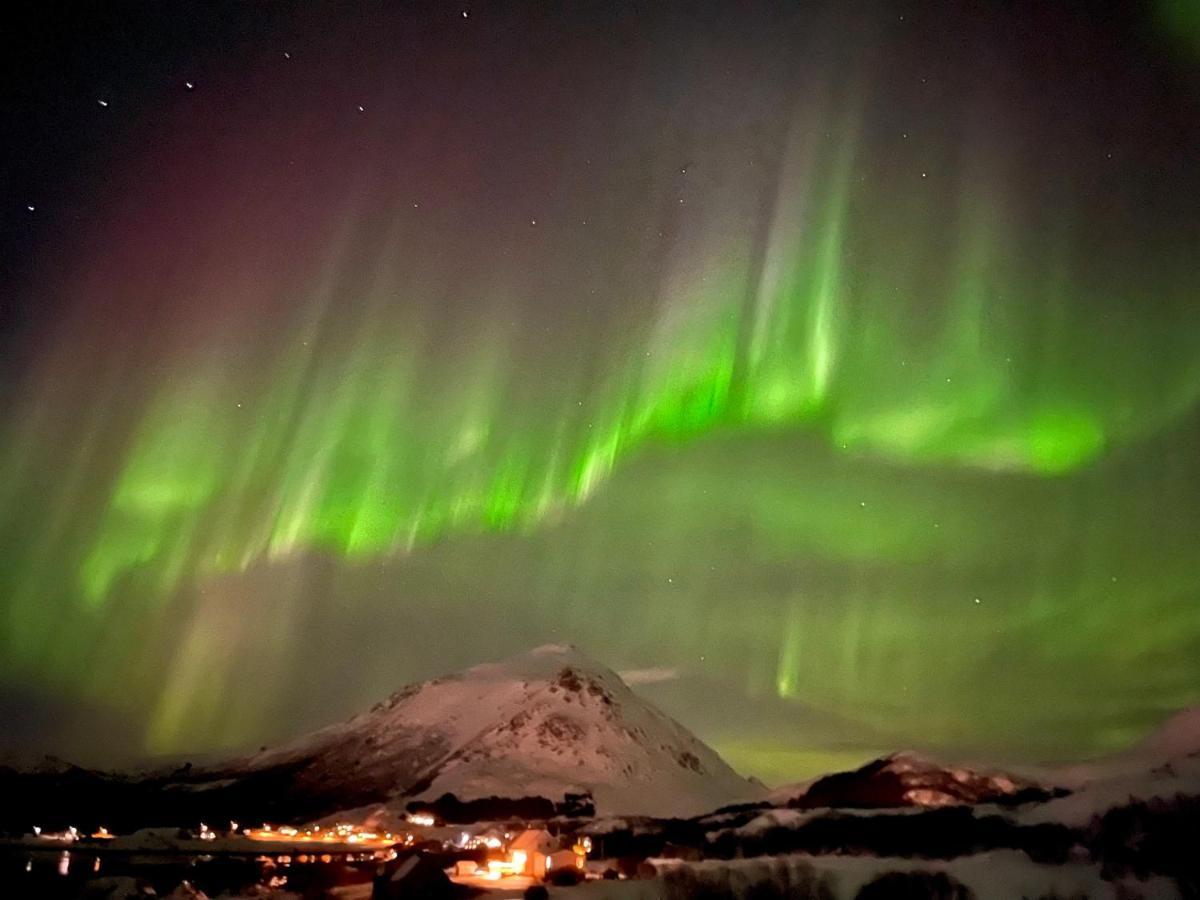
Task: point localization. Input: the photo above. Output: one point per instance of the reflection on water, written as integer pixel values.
(64, 875)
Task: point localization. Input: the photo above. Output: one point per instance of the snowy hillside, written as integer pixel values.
(541, 724)
(1163, 766)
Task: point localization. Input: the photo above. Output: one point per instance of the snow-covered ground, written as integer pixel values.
(990, 876)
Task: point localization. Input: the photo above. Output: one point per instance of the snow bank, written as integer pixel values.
(1163, 782)
(991, 876)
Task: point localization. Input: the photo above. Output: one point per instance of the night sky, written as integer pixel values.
(835, 367)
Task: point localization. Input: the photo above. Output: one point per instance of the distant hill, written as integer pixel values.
(907, 779)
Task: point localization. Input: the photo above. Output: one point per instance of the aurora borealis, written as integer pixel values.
(844, 363)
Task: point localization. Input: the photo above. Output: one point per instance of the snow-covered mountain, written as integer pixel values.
(1175, 739)
(36, 764)
(906, 779)
(1162, 766)
(546, 723)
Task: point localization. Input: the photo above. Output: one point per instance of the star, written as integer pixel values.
(30, 207)
(102, 102)
(188, 85)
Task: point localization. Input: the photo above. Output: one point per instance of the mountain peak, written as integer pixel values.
(546, 722)
(908, 759)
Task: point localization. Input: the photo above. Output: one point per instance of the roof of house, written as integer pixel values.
(532, 839)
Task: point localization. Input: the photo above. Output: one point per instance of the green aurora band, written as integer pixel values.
(863, 423)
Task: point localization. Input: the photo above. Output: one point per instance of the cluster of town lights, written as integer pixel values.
(534, 852)
(336, 834)
(339, 833)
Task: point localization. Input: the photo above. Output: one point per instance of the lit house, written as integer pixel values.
(533, 853)
(530, 852)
